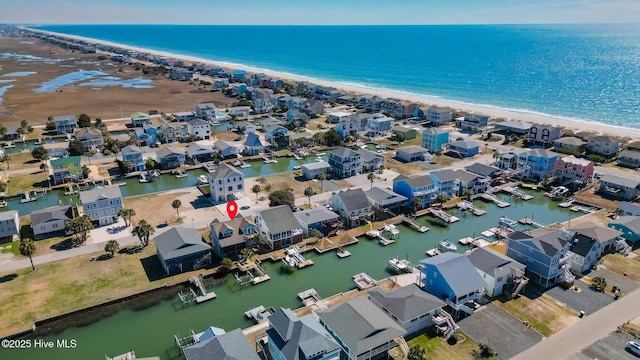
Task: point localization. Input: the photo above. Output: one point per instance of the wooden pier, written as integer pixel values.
(413, 224)
(494, 199)
(468, 205)
(433, 252)
(446, 218)
(514, 191)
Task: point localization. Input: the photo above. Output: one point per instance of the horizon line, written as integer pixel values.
(327, 25)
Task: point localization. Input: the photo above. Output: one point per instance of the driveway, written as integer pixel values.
(609, 347)
(584, 299)
(613, 279)
(503, 332)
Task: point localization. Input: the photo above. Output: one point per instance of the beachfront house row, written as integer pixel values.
(370, 160)
(474, 122)
(345, 162)
(535, 164)
(231, 345)
(9, 225)
(319, 218)
(65, 169)
(230, 237)
(352, 205)
(278, 227)
(225, 182)
(568, 144)
(170, 157)
(199, 128)
(570, 169)
(463, 149)
(629, 226)
(362, 329)
(90, 137)
(65, 124)
(439, 115)
(604, 145)
(277, 136)
(384, 200)
(411, 307)
(626, 208)
(226, 149)
(182, 249)
(50, 221)
(133, 154)
(422, 187)
(434, 139)
(139, 119)
(199, 153)
(180, 74)
(253, 145)
(371, 103)
(207, 111)
(623, 188)
(413, 153)
(102, 204)
(546, 255)
(451, 276)
(293, 338)
(514, 127)
(544, 134)
(311, 170)
(629, 158)
(501, 274)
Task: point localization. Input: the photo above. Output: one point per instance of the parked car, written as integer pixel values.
(634, 347)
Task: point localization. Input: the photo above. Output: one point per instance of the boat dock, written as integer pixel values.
(480, 242)
(466, 240)
(197, 282)
(383, 240)
(468, 205)
(294, 258)
(343, 253)
(506, 222)
(413, 224)
(309, 297)
(249, 277)
(566, 204)
(363, 281)
(494, 199)
(260, 314)
(433, 252)
(446, 218)
(514, 191)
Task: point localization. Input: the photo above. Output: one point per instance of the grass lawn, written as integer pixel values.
(545, 314)
(25, 182)
(22, 160)
(437, 348)
(286, 180)
(155, 208)
(621, 265)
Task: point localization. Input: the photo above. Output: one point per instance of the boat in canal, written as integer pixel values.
(202, 180)
(363, 281)
(244, 165)
(143, 179)
(505, 221)
(400, 265)
(260, 314)
(446, 245)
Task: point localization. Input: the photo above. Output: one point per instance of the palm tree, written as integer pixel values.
(467, 194)
(28, 248)
(371, 177)
(111, 247)
(7, 157)
(496, 155)
(416, 204)
(80, 225)
(308, 192)
(442, 198)
(438, 153)
(127, 214)
(143, 230)
(256, 190)
(321, 177)
(246, 254)
(176, 205)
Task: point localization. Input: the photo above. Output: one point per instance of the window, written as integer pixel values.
(230, 188)
(239, 186)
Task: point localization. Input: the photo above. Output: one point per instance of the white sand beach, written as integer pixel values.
(493, 112)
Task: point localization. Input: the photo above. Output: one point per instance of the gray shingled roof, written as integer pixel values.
(596, 231)
(170, 150)
(360, 324)
(492, 262)
(541, 153)
(53, 213)
(464, 144)
(354, 199)
(581, 244)
(445, 175)
(631, 154)
(482, 169)
(279, 219)
(180, 241)
(316, 165)
(197, 122)
(131, 149)
(631, 222)
(384, 196)
(406, 303)
(239, 222)
(222, 145)
(416, 181)
(435, 131)
(315, 215)
(367, 155)
(547, 242)
(466, 176)
(224, 170)
(630, 207)
(230, 346)
(97, 193)
(8, 215)
(570, 140)
(514, 124)
(197, 149)
(627, 181)
(343, 152)
(457, 271)
(412, 149)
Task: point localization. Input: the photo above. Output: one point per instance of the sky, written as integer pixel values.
(318, 12)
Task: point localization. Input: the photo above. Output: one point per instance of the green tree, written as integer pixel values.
(321, 177)
(3, 131)
(7, 157)
(39, 153)
(44, 166)
(281, 197)
(150, 164)
(246, 254)
(416, 204)
(85, 171)
(483, 352)
(127, 166)
(308, 192)
(127, 214)
(111, 246)
(467, 194)
(84, 120)
(50, 126)
(225, 265)
(598, 283)
(417, 352)
(28, 248)
(332, 138)
(438, 154)
(442, 198)
(176, 205)
(371, 177)
(143, 231)
(77, 148)
(79, 226)
(256, 190)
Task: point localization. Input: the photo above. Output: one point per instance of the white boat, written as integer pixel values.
(236, 163)
(244, 165)
(400, 265)
(181, 175)
(3, 204)
(154, 173)
(363, 281)
(446, 245)
(297, 167)
(202, 180)
(319, 159)
(507, 222)
(392, 229)
(143, 179)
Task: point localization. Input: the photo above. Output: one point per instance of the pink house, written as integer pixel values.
(572, 168)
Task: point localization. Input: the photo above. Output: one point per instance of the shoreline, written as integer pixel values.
(577, 125)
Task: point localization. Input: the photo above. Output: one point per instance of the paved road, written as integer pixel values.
(586, 331)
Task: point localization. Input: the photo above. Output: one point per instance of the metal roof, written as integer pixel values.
(229, 346)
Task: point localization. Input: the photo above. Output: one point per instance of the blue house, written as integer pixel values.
(345, 129)
(65, 124)
(152, 131)
(345, 162)
(452, 278)
(537, 163)
(134, 154)
(434, 139)
(277, 135)
(416, 186)
(446, 181)
(629, 226)
(182, 249)
(252, 145)
(463, 149)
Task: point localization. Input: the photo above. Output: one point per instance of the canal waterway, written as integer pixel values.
(150, 331)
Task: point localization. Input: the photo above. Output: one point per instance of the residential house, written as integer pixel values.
(544, 134)
(446, 181)
(586, 253)
(253, 145)
(345, 162)
(9, 225)
(407, 133)
(55, 150)
(228, 346)
(451, 276)
(411, 307)
(624, 188)
(606, 236)
(199, 153)
(170, 157)
(182, 249)
(500, 273)
(313, 108)
(399, 109)
(338, 116)
(245, 127)
(514, 127)
(439, 115)
(474, 122)
(363, 330)
(199, 128)
(65, 169)
(277, 135)
(238, 88)
(422, 187)
(352, 205)
(629, 158)
(546, 255)
(180, 74)
(133, 154)
(486, 171)
(370, 160)
(50, 221)
(152, 131)
(142, 137)
(90, 137)
(278, 227)
(509, 159)
(371, 103)
(568, 144)
(183, 116)
(469, 181)
(378, 126)
(171, 132)
(239, 111)
(224, 182)
(383, 200)
(311, 170)
(219, 83)
(261, 105)
(13, 133)
(229, 238)
(102, 204)
(239, 74)
(463, 149)
(226, 149)
(139, 119)
(535, 164)
(295, 115)
(626, 208)
(319, 218)
(413, 153)
(66, 124)
(293, 338)
(570, 169)
(604, 145)
(207, 111)
(629, 226)
(434, 139)
(346, 129)
(296, 103)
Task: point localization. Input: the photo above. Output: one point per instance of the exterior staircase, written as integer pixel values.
(522, 281)
(444, 318)
(461, 307)
(403, 346)
(200, 263)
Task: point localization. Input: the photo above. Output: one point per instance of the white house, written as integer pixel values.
(207, 111)
(226, 149)
(239, 111)
(51, 220)
(9, 225)
(199, 128)
(352, 205)
(102, 204)
(413, 153)
(497, 270)
(224, 182)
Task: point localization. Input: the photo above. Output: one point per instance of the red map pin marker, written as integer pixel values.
(232, 209)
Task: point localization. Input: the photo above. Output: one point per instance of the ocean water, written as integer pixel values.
(580, 72)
